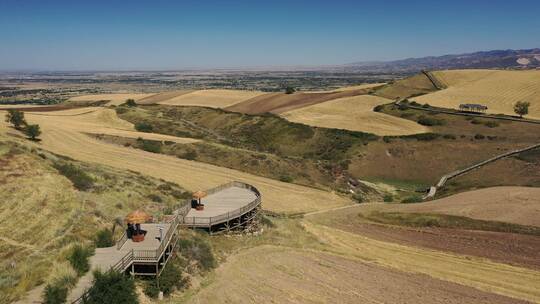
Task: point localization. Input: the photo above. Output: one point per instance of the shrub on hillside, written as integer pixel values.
(155, 198)
(121, 110)
(378, 108)
(32, 131)
(492, 124)
(149, 145)
(479, 136)
(79, 178)
(55, 294)
(143, 127)
(449, 136)
(197, 249)
(171, 279)
(104, 238)
(286, 178)
(411, 199)
(111, 287)
(430, 121)
(130, 103)
(289, 90)
(388, 198)
(16, 118)
(78, 257)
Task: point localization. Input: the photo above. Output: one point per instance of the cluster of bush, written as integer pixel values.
(80, 179)
(16, 118)
(430, 121)
(57, 290)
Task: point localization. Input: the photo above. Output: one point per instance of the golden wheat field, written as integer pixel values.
(64, 134)
(498, 90)
(355, 114)
(114, 99)
(211, 98)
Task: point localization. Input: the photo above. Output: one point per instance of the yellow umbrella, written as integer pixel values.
(199, 194)
(137, 217)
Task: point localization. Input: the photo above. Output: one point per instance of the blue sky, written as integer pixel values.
(112, 35)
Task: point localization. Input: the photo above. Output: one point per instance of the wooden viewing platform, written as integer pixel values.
(226, 207)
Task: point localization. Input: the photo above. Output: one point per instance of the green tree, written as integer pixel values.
(104, 238)
(33, 131)
(111, 287)
(130, 103)
(16, 118)
(521, 108)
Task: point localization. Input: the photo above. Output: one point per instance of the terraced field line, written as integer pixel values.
(479, 273)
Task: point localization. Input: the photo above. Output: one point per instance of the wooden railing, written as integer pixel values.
(209, 221)
(171, 237)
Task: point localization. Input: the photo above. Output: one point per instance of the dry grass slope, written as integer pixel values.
(355, 114)
(64, 134)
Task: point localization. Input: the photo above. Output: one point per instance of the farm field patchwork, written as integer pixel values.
(114, 99)
(211, 98)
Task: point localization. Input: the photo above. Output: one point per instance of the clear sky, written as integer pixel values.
(154, 34)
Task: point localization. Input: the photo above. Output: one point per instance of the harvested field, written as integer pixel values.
(280, 275)
(519, 205)
(114, 99)
(498, 90)
(63, 134)
(161, 97)
(280, 102)
(485, 275)
(356, 114)
(509, 248)
(352, 88)
(407, 87)
(211, 98)
(100, 121)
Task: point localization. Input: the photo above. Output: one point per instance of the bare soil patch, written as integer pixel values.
(509, 248)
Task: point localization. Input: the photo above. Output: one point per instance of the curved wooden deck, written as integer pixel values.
(226, 203)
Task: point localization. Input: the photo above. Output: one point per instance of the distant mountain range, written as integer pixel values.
(505, 59)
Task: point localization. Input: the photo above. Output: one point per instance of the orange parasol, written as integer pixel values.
(137, 217)
(199, 194)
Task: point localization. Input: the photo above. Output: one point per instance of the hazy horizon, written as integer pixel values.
(188, 35)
